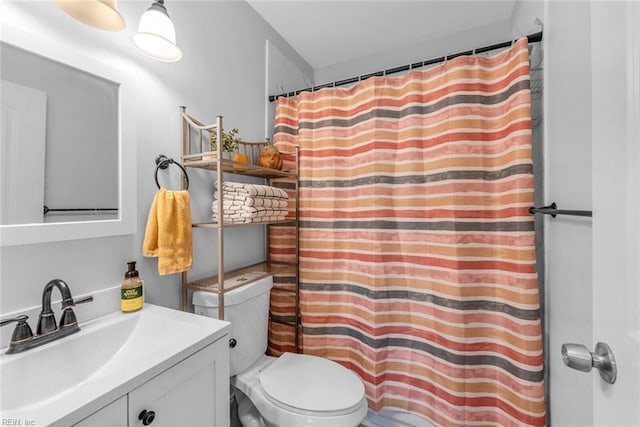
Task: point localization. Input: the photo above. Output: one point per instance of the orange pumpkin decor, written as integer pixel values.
(269, 157)
(240, 158)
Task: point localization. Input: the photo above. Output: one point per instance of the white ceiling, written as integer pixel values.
(328, 32)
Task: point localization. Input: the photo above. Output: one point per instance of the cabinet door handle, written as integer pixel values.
(147, 417)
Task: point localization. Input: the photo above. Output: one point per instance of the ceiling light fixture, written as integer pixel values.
(102, 14)
(156, 36)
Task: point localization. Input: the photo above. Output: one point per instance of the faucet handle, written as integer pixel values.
(68, 316)
(22, 318)
(46, 323)
(22, 331)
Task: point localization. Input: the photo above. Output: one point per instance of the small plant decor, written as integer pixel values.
(229, 140)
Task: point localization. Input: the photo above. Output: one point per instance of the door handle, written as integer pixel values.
(577, 356)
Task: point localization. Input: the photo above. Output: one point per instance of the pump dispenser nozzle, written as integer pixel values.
(132, 272)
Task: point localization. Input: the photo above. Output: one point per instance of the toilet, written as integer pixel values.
(290, 390)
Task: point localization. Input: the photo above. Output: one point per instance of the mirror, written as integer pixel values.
(67, 152)
(59, 148)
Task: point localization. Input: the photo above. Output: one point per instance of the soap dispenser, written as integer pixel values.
(131, 298)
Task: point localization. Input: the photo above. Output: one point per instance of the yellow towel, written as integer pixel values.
(168, 232)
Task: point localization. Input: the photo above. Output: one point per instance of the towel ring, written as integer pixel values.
(163, 162)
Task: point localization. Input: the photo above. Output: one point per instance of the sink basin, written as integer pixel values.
(34, 376)
(76, 375)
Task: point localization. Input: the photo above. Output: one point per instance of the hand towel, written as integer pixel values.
(168, 232)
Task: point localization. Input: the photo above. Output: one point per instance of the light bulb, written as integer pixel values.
(156, 36)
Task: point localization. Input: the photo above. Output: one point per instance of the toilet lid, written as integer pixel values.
(311, 383)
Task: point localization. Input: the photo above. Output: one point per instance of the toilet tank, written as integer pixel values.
(247, 308)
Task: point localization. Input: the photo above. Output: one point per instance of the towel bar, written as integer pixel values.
(163, 162)
(553, 210)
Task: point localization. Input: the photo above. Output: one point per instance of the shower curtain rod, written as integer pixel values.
(531, 38)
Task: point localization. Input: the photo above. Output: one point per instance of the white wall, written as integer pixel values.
(567, 42)
(222, 72)
(458, 42)
(282, 77)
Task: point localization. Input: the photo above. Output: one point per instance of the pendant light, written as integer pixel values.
(102, 14)
(156, 36)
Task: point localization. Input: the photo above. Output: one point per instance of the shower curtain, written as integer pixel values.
(417, 258)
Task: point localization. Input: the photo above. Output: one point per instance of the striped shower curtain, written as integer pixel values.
(417, 259)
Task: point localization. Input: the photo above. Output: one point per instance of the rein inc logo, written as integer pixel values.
(17, 422)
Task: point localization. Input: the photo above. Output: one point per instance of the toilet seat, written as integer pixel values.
(277, 413)
(311, 384)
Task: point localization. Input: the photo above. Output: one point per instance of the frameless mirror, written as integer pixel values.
(67, 154)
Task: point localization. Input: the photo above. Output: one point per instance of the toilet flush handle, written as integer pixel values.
(233, 343)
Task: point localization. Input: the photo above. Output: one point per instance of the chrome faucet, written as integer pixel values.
(23, 339)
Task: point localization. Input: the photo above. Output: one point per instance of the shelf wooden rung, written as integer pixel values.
(279, 289)
(287, 222)
(282, 322)
(207, 160)
(255, 272)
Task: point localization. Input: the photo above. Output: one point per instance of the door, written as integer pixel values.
(615, 54)
(592, 161)
(23, 116)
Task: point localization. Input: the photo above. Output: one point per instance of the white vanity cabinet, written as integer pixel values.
(193, 392)
(165, 361)
(112, 415)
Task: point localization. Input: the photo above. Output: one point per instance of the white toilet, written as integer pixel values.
(288, 391)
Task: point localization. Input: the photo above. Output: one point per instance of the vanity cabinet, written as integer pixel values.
(194, 392)
(112, 415)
